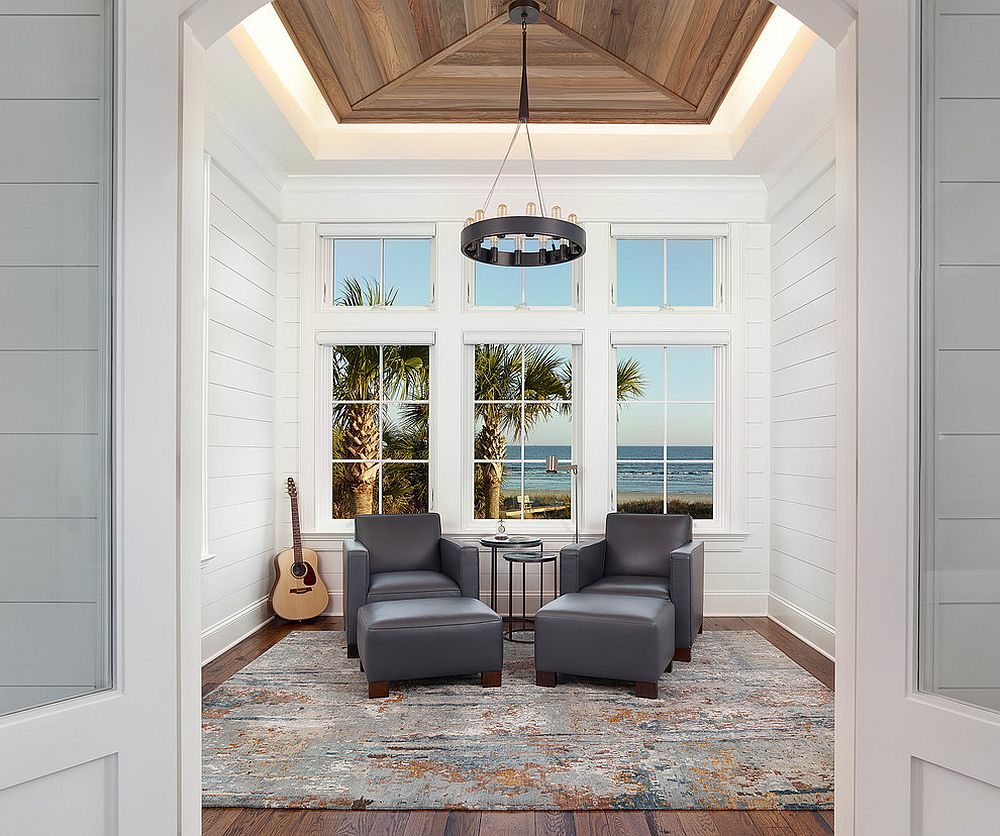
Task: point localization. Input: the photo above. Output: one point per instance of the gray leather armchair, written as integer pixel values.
(395, 557)
(649, 555)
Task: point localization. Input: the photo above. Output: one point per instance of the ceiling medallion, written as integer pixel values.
(553, 239)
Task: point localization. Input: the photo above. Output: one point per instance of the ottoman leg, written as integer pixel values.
(378, 689)
(352, 651)
(647, 690)
(546, 679)
(682, 654)
(491, 679)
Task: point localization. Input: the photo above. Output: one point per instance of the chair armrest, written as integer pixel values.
(687, 590)
(357, 575)
(580, 565)
(460, 562)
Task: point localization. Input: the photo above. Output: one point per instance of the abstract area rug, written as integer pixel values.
(740, 727)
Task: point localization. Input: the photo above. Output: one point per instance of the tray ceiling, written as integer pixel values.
(589, 61)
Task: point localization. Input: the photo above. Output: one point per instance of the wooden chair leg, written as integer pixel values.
(352, 651)
(546, 679)
(647, 690)
(378, 689)
(682, 654)
(491, 679)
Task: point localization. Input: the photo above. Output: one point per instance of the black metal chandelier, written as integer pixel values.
(555, 240)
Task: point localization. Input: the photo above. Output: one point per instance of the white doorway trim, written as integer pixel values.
(208, 20)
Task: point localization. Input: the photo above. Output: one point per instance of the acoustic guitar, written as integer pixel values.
(298, 592)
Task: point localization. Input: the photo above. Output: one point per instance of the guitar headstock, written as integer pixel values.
(293, 492)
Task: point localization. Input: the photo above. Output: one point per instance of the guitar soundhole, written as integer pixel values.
(299, 570)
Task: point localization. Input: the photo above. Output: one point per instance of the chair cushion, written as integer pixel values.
(640, 544)
(643, 585)
(448, 612)
(401, 542)
(399, 586)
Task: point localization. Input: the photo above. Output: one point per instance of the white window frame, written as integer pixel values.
(329, 233)
(469, 273)
(723, 422)
(572, 338)
(325, 341)
(717, 233)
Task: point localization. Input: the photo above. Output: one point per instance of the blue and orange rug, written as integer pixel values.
(740, 727)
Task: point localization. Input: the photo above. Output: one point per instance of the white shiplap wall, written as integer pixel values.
(803, 397)
(960, 583)
(736, 568)
(54, 554)
(242, 353)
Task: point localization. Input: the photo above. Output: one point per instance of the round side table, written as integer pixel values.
(539, 558)
(514, 541)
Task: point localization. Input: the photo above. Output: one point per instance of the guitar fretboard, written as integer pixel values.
(296, 533)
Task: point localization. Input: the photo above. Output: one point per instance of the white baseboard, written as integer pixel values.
(716, 603)
(218, 638)
(817, 634)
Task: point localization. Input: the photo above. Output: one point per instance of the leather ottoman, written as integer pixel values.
(428, 637)
(605, 636)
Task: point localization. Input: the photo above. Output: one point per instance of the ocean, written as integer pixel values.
(640, 469)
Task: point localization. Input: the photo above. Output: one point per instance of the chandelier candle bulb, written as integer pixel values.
(501, 210)
(531, 209)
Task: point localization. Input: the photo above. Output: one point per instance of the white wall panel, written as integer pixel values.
(57, 57)
(50, 141)
(241, 413)
(804, 406)
(56, 308)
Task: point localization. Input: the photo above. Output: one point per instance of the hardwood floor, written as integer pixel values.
(243, 822)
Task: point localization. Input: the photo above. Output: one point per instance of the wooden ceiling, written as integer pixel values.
(590, 61)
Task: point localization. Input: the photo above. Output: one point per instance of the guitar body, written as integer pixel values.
(296, 599)
(298, 592)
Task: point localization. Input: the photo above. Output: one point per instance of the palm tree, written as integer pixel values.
(356, 394)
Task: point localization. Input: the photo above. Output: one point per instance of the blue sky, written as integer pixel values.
(407, 266)
(641, 264)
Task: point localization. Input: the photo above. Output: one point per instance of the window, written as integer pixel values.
(380, 429)
(667, 272)
(665, 449)
(525, 287)
(523, 414)
(371, 272)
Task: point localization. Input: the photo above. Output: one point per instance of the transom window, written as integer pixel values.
(667, 272)
(522, 287)
(665, 429)
(380, 429)
(523, 414)
(372, 272)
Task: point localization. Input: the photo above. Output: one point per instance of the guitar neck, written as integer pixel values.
(296, 533)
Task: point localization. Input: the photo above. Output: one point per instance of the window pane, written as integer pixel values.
(690, 273)
(356, 265)
(689, 489)
(550, 432)
(406, 372)
(547, 495)
(497, 491)
(498, 372)
(547, 286)
(355, 431)
(690, 430)
(355, 489)
(548, 372)
(404, 431)
(640, 431)
(407, 271)
(498, 431)
(640, 373)
(498, 286)
(639, 272)
(640, 488)
(690, 373)
(404, 488)
(355, 373)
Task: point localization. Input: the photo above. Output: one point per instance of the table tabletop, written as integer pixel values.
(519, 540)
